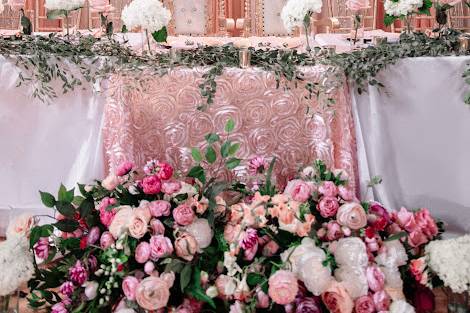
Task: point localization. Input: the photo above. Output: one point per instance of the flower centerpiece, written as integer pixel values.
(103, 8)
(151, 240)
(62, 8)
(357, 7)
(404, 9)
(150, 15)
(298, 13)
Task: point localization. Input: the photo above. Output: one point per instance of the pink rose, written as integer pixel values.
(106, 215)
(186, 247)
(333, 231)
(21, 226)
(406, 220)
(157, 227)
(160, 208)
(171, 187)
(151, 185)
(16, 4)
(381, 301)
(138, 224)
(106, 240)
(129, 287)
(93, 235)
(352, 215)
(417, 267)
(357, 5)
(184, 214)
(152, 293)
(121, 220)
(375, 278)
(365, 304)
(426, 223)
(328, 206)
(149, 267)
(298, 190)
(160, 247)
(270, 248)
(417, 238)
(283, 287)
(125, 167)
(142, 252)
(41, 248)
(164, 170)
(262, 300)
(308, 305)
(168, 278)
(337, 299)
(346, 193)
(328, 189)
(111, 182)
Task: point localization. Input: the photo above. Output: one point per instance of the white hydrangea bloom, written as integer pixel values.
(351, 252)
(392, 254)
(450, 260)
(294, 12)
(67, 5)
(354, 280)
(402, 7)
(401, 306)
(148, 14)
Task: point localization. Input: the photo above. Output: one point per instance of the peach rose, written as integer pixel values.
(110, 182)
(152, 293)
(186, 247)
(120, 223)
(21, 226)
(139, 224)
(233, 233)
(336, 299)
(283, 287)
(352, 215)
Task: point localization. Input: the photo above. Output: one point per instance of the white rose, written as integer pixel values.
(201, 231)
(91, 288)
(212, 292)
(351, 252)
(392, 254)
(354, 280)
(314, 274)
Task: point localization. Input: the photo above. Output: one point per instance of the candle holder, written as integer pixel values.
(329, 49)
(244, 58)
(175, 55)
(379, 40)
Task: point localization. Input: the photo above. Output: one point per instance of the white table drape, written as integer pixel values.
(415, 134)
(43, 145)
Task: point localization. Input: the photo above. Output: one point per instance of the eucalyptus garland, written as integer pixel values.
(43, 60)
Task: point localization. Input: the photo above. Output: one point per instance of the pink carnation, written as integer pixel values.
(124, 168)
(67, 288)
(426, 223)
(249, 243)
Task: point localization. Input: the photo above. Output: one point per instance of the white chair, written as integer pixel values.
(264, 18)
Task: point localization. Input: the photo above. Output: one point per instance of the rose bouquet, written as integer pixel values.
(154, 241)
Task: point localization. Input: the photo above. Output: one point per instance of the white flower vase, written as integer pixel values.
(309, 36)
(10, 303)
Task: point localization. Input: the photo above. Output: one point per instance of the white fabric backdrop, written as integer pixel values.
(43, 145)
(416, 135)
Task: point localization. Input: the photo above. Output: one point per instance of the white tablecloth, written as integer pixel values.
(416, 135)
(43, 145)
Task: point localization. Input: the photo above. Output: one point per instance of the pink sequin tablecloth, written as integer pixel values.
(163, 121)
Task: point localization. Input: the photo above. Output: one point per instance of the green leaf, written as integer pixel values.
(198, 173)
(389, 19)
(229, 126)
(212, 138)
(67, 225)
(86, 207)
(34, 236)
(124, 29)
(47, 199)
(109, 29)
(232, 163)
(69, 244)
(397, 236)
(65, 208)
(211, 156)
(254, 279)
(224, 150)
(26, 24)
(200, 295)
(64, 195)
(185, 277)
(234, 148)
(161, 35)
(196, 153)
(467, 98)
(175, 266)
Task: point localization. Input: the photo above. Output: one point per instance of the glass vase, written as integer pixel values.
(308, 34)
(10, 303)
(457, 302)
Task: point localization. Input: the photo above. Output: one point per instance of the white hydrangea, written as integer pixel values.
(401, 7)
(401, 306)
(67, 5)
(294, 12)
(148, 14)
(450, 260)
(351, 252)
(354, 280)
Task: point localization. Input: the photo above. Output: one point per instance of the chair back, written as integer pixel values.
(337, 10)
(195, 17)
(459, 17)
(264, 18)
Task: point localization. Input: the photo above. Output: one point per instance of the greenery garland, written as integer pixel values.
(41, 62)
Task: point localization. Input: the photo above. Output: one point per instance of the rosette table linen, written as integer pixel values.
(415, 134)
(162, 121)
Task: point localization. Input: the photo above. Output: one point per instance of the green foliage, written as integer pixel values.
(47, 199)
(161, 35)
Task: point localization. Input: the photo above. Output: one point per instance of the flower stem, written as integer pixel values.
(67, 24)
(148, 40)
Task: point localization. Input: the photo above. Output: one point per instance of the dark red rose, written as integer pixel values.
(423, 299)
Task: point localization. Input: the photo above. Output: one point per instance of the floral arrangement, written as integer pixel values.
(16, 259)
(64, 5)
(16, 4)
(150, 15)
(156, 241)
(404, 9)
(356, 6)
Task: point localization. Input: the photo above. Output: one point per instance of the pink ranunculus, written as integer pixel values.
(78, 274)
(346, 193)
(170, 187)
(41, 248)
(164, 170)
(186, 247)
(298, 190)
(129, 287)
(138, 225)
(16, 4)
(364, 304)
(417, 238)
(152, 293)
(110, 182)
(126, 166)
(406, 220)
(142, 252)
(328, 206)
(184, 214)
(151, 185)
(337, 299)
(426, 223)
(375, 278)
(160, 247)
(160, 208)
(283, 287)
(157, 227)
(352, 215)
(106, 215)
(357, 5)
(93, 235)
(67, 288)
(106, 241)
(333, 231)
(381, 300)
(328, 189)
